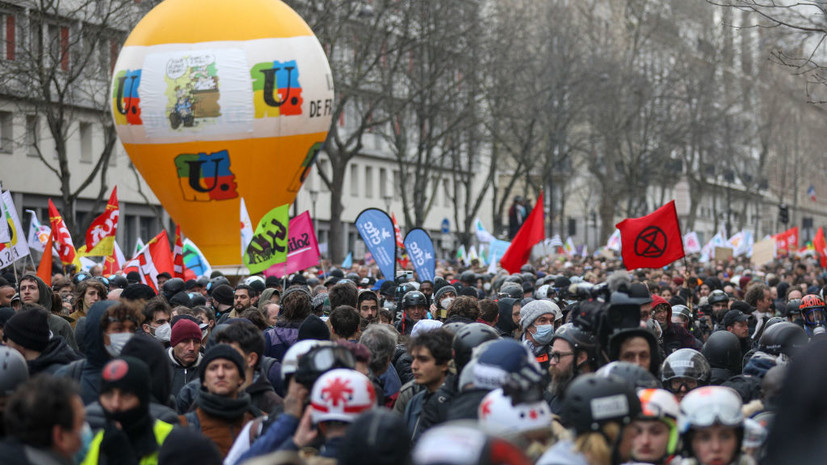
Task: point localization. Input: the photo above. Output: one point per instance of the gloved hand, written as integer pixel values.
(116, 447)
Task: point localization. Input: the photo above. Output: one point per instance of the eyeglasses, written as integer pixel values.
(556, 356)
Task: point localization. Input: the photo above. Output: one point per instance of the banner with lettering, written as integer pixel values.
(16, 246)
(420, 249)
(376, 229)
(302, 248)
(269, 243)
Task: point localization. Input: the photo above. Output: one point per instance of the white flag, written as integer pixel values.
(691, 244)
(482, 234)
(246, 228)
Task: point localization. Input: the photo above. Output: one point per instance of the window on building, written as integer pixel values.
(148, 228)
(35, 37)
(86, 142)
(572, 227)
(383, 182)
(32, 134)
(397, 183)
(6, 131)
(8, 36)
(354, 180)
(368, 182)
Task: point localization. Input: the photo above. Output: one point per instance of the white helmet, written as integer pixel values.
(290, 363)
(660, 404)
(341, 395)
(710, 405)
(499, 416)
(251, 279)
(542, 292)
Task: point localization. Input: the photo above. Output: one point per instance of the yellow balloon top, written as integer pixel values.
(193, 21)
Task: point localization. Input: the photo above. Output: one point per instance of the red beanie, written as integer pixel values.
(184, 329)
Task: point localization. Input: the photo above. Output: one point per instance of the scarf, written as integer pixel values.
(222, 407)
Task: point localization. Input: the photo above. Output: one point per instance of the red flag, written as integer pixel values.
(44, 270)
(65, 247)
(178, 254)
(111, 264)
(651, 241)
(153, 259)
(820, 245)
(101, 232)
(400, 244)
(530, 233)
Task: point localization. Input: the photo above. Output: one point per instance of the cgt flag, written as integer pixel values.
(651, 241)
(100, 238)
(269, 243)
(153, 259)
(376, 229)
(63, 239)
(820, 244)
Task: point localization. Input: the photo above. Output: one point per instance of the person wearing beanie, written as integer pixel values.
(131, 435)
(28, 333)
(442, 300)
(537, 323)
(313, 328)
(138, 291)
(222, 299)
(223, 408)
(184, 353)
(186, 446)
(33, 291)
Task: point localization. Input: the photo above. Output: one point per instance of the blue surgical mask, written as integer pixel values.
(543, 334)
(86, 437)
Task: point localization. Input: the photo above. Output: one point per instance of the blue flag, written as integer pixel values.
(421, 252)
(376, 229)
(348, 263)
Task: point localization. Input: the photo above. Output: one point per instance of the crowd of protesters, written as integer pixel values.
(568, 362)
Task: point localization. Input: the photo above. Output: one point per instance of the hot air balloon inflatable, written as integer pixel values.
(215, 100)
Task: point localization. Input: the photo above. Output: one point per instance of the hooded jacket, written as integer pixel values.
(56, 355)
(505, 323)
(96, 354)
(57, 324)
(280, 337)
(674, 336)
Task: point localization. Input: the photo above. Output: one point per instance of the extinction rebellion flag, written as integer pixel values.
(651, 241)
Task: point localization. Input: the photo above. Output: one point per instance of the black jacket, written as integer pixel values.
(57, 354)
(465, 405)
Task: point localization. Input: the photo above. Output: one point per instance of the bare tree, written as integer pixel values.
(363, 45)
(800, 32)
(59, 73)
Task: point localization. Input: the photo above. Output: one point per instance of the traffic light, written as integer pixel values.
(783, 214)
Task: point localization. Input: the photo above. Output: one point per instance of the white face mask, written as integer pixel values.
(164, 332)
(116, 343)
(446, 302)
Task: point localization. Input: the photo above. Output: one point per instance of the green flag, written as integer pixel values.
(269, 243)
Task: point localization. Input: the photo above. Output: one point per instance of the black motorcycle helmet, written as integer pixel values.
(783, 338)
(717, 296)
(723, 351)
(793, 307)
(587, 393)
(580, 340)
(685, 363)
(173, 286)
(466, 338)
(633, 374)
(414, 299)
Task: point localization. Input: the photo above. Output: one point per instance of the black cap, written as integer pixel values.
(29, 329)
(741, 306)
(313, 328)
(732, 317)
(226, 352)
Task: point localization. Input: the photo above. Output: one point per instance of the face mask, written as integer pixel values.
(117, 341)
(164, 332)
(544, 334)
(487, 287)
(444, 303)
(86, 437)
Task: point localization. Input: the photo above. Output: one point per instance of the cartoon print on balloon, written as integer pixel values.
(127, 102)
(192, 90)
(276, 89)
(204, 177)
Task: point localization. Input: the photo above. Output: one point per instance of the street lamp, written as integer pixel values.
(314, 196)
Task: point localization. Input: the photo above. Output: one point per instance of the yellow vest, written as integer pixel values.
(161, 430)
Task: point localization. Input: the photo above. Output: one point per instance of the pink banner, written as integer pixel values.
(302, 248)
